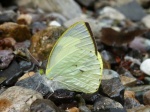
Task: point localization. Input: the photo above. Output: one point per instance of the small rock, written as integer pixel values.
(104, 103)
(139, 91)
(84, 109)
(11, 74)
(109, 12)
(26, 75)
(37, 26)
(6, 56)
(8, 16)
(25, 19)
(90, 98)
(132, 11)
(56, 17)
(129, 94)
(141, 44)
(81, 104)
(54, 23)
(86, 3)
(44, 105)
(63, 7)
(18, 99)
(43, 41)
(111, 85)
(146, 98)
(18, 32)
(7, 43)
(108, 56)
(147, 80)
(128, 81)
(146, 21)
(94, 24)
(109, 74)
(140, 109)
(145, 66)
(130, 103)
(62, 96)
(34, 82)
(73, 109)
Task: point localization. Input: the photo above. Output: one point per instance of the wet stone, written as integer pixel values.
(44, 105)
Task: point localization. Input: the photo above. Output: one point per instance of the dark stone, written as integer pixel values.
(62, 96)
(132, 10)
(90, 98)
(86, 3)
(34, 82)
(65, 106)
(104, 103)
(113, 88)
(44, 105)
(12, 73)
(130, 103)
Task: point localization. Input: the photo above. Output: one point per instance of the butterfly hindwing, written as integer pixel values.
(73, 61)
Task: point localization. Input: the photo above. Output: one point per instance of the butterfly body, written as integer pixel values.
(74, 62)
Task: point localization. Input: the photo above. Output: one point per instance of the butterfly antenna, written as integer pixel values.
(30, 56)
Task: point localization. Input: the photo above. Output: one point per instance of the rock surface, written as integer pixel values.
(18, 99)
(145, 66)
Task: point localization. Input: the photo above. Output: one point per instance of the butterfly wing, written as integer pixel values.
(73, 61)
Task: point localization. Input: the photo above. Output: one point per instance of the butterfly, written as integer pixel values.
(74, 61)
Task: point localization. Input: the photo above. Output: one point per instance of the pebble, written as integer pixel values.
(18, 99)
(42, 42)
(16, 31)
(44, 105)
(140, 109)
(104, 103)
(140, 44)
(109, 12)
(34, 82)
(128, 81)
(132, 10)
(111, 85)
(146, 98)
(145, 66)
